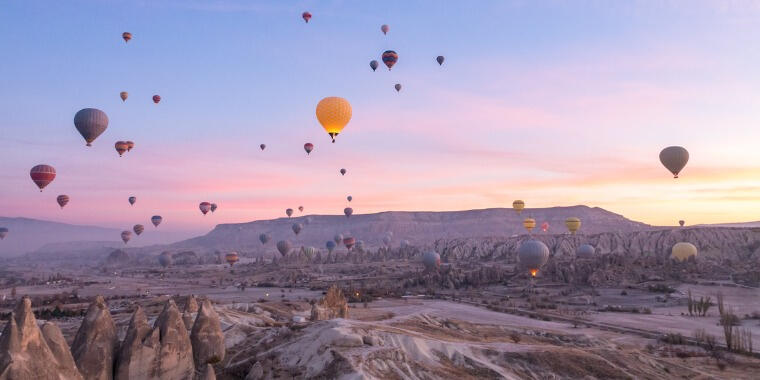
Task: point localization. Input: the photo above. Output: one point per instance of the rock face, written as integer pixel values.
(332, 305)
(175, 359)
(208, 373)
(207, 337)
(94, 347)
(27, 353)
(191, 305)
(256, 372)
(139, 350)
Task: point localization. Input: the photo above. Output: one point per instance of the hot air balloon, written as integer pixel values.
(431, 260)
(338, 239)
(529, 224)
(300, 208)
(439, 59)
(573, 224)
(213, 207)
(349, 242)
(373, 65)
(42, 175)
(348, 211)
(263, 146)
(205, 207)
(544, 226)
(333, 113)
(62, 200)
(156, 98)
(342, 171)
(284, 247)
(123, 95)
(130, 145)
(309, 252)
(306, 16)
(132, 200)
(126, 36)
(330, 245)
(350, 198)
(397, 87)
(585, 251)
(138, 228)
(264, 238)
(384, 28)
(125, 236)
(121, 147)
(682, 251)
(90, 123)
(533, 254)
(156, 220)
(390, 58)
(681, 223)
(674, 158)
(165, 259)
(289, 212)
(3, 233)
(308, 147)
(518, 205)
(231, 258)
(297, 227)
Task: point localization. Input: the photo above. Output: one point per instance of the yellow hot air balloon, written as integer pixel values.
(333, 113)
(518, 205)
(682, 251)
(529, 223)
(573, 224)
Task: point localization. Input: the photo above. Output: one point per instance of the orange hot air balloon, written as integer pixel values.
(121, 147)
(333, 113)
(42, 175)
(62, 200)
(231, 258)
(529, 224)
(156, 98)
(126, 36)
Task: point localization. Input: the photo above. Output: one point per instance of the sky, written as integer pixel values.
(557, 103)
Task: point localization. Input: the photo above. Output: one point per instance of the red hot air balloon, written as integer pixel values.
(156, 99)
(121, 147)
(544, 226)
(349, 242)
(306, 16)
(126, 36)
(42, 175)
(308, 147)
(205, 207)
(390, 58)
(62, 200)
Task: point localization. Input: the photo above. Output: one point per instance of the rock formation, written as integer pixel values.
(332, 305)
(27, 353)
(208, 373)
(256, 372)
(94, 347)
(139, 350)
(207, 337)
(191, 305)
(175, 359)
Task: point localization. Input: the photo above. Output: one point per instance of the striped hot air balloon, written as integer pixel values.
(138, 228)
(42, 175)
(90, 123)
(121, 147)
(125, 236)
(390, 58)
(349, 242)
(231, 258)
(62, 200)
(126, 36)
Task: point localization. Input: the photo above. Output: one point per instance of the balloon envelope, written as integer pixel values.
(263, 146)
(350, 198)
(431, 260)
(333, 113)
(126, 36)
(585, 251)
(138, 228)
(682, 251)
(156, 220)
(90, 123)
(62, 200)
(231, 258)
(205, 207)
(123, 95)
(213, 207)
(125, 236)
(544, 226)
(349, 242)
(284, 247)
(306, 16)
(42, 175)
(156, 98)
(132, 200)
(289, 212)
(342, 171)
(308, 147)
(440, 59)
(573, 224)
(338, 239)
(397, 87)
(297, 227)
(264, 238)
(674, 158)
(121, 147)
(385, 28)
(165, 259)
(330, 245)
(348, 211)
(681, 223)
(532, 255)
(390, 58)
(373, 65)
(518, 206)
(130, 145)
